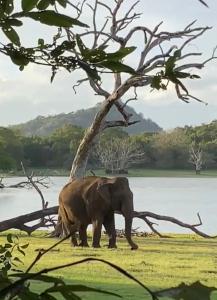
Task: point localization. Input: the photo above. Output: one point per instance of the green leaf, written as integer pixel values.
(90, 71)
(116, 66)
(47, 297)
(8, 246)
(81, 45)
(63, 3)
(9, 238)
(194, 76)
(44, 278)
(21, 251)
(43, 4)
(18, 259)
(18, 58)
(77, 288)
(28, 5)
(41, 42)
(177, 53)
(182, 74)
(8, 6)
(24, 246)
(170, 64)
(27, 294)
(8, 254)
(2, 249)
(11, 35)
(66, 45)
(13, 22)
(50, 17)
(4, 272)
(156, 82)
(120, 53)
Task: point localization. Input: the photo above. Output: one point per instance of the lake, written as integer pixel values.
(178, 197)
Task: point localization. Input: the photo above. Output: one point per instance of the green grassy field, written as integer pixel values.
(159, 263)
(132, 173)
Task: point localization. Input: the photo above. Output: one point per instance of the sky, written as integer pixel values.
(25, 95)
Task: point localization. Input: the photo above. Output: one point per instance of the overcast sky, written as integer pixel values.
(25, 95)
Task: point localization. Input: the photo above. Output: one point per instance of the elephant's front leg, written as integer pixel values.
(83, 236)
(74, 242)
(97, 228)
(109, 224)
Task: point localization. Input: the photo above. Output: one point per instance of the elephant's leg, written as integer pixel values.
(97, 227)
(73, 239)
(75, 226)
(109, 224)
(83, 236)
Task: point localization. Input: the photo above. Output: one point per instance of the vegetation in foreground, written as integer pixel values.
(159, 263)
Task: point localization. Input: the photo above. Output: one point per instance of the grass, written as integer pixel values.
(132, 173)
(159, 263)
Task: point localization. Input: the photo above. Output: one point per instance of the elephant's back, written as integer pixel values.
(71, 198)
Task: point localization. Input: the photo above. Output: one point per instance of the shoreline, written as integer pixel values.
(131, 173)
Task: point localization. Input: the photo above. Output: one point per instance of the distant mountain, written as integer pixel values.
(44, 126)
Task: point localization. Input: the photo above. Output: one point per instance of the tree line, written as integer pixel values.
(115, 151)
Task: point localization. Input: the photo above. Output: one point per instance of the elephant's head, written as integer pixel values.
(117, 192)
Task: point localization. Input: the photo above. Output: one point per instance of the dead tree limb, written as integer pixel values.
(19, 222)
(33, 183)
(193, 227)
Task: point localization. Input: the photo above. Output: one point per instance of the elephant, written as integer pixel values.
(94, 200)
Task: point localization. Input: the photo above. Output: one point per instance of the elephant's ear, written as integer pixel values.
(103, 189)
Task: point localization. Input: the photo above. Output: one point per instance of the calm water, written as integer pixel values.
(178, 197)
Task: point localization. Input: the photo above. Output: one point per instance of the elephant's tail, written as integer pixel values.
(68, 225)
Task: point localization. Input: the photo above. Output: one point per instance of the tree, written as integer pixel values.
(105, 48)
(64, 143)
(11, 150)
(170, 67)
(196, 157)
(116, 155)
(171, 149)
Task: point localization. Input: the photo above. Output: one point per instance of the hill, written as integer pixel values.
(44, 126)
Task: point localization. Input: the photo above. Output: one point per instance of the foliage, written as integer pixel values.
(56, 54)
(184, 291)
(167, 263)
(9, 254)
(11, 151)
(171, 149)
(163, 150)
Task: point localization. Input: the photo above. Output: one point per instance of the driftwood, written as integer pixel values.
(20, 222)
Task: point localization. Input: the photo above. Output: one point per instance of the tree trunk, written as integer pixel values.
(81, 157)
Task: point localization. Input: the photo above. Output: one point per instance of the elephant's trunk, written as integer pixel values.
(127, 211)
(128, 228)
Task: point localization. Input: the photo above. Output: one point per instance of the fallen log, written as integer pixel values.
(20, 222)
